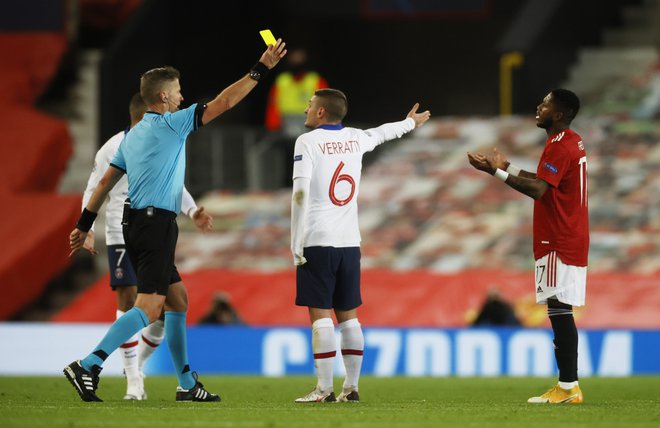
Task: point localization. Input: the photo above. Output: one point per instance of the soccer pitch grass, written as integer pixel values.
(386, 402)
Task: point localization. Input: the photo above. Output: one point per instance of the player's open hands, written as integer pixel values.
(274, 53)
(76, 240)
(89, 243)
(479, 161)
(203, 220)
(419, 118)
(497, 160)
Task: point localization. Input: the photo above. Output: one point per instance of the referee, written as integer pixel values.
(152, 155)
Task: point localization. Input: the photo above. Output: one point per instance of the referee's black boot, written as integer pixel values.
(196, 393)
(84, 382)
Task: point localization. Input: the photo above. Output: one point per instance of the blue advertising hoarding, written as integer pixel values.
(417, 352)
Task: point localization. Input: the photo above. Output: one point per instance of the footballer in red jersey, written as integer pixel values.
(561, 229)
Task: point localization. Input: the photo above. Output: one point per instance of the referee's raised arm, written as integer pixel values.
(234, 93)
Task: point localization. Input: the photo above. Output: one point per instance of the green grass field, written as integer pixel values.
(386, 402)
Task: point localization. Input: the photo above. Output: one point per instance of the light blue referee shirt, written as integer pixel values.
(153, 155)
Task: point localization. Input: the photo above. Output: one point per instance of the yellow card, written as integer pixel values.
(268, 37)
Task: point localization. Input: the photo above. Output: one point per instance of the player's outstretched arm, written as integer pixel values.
(419, 118)
(234, 93)
(390, 131)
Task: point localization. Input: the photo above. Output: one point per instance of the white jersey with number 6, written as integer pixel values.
(331, 157)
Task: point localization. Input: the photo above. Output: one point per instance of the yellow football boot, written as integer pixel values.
(559, 395)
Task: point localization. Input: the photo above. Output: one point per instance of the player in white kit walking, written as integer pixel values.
(325, 237)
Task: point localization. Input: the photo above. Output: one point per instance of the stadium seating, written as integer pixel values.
(34, 222)
(437, 233)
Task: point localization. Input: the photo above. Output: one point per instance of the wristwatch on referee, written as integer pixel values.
(258, 71)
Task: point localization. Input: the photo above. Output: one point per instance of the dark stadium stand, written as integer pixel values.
(435, 231)
(34, 222)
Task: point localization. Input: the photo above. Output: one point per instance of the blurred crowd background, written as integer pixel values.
(68, 69)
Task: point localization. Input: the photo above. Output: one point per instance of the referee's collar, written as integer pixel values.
(153, 112)
(331, 126)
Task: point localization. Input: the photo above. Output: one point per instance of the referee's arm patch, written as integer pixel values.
(297, 158)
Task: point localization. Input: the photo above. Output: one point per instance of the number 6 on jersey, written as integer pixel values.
(336, 178)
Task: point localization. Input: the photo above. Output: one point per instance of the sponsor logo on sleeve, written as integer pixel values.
(297, 158)
(550, 167)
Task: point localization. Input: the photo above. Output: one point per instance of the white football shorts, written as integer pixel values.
(566, 283)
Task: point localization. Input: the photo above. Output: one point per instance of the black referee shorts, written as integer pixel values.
(150, 236)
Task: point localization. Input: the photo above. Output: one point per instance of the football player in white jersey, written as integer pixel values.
(123, 280)
(325, 237)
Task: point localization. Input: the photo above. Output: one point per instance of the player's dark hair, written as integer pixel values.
(335, 103)
(151, 82)
(136, 108)
(566, 102)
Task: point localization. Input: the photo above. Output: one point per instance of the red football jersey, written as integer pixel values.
(561, 216)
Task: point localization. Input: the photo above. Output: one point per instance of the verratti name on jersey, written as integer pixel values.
(339, 147)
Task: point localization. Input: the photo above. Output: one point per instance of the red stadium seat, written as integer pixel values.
(33, 232)
(36, 55)
(37, 148)
(34, 223)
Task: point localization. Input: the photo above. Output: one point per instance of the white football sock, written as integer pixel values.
(128, 351)
(568, 385)
(150, 337)
(324, 349)
(352, 350)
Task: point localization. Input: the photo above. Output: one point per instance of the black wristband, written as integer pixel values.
(258, 71)
(86, 220)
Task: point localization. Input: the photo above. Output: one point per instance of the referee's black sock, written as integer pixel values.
(566, 342)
